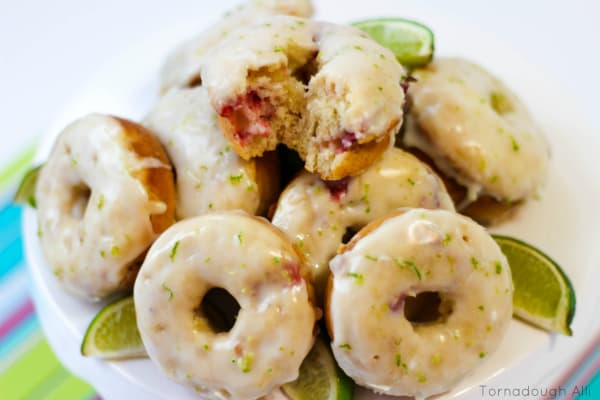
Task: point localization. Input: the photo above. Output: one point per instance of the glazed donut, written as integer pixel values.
(103, 196)
(302, 83)
(375, 280)
(261, 269)
(316, 214)
(209, 175)
(182, 68)
(476, 131)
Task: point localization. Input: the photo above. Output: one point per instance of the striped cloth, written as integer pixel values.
(28, 368)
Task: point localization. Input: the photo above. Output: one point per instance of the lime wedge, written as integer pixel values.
(411, 42)
(320, 378)
(113, 333)
(543, 294)
(26, 192)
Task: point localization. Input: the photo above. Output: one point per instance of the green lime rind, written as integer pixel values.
(113, 333)
(320, 378)
(412, 43)
(544, 295)
(26, 191)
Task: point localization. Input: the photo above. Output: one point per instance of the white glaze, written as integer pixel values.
(363, 78)
(373, 341)
(183, 65)
(257, 265)
(503, 155)
(317, 221)
(89, 246)
(210, 176)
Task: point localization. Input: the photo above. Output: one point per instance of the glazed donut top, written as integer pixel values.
(363, 76)
(182, 67)
(316, 214)
(476, 130)
(397, 257)
(260, 268)
(94, 210)
(210, 176)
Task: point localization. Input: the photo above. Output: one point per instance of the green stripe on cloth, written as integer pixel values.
(39, 375)
(16, 167)
(70, 388)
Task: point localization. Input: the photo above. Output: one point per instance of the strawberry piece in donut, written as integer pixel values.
(302, 83)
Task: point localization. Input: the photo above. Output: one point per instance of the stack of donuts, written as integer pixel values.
(278, 165)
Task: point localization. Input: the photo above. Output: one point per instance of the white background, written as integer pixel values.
(48, 49)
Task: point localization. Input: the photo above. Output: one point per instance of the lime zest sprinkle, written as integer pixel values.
(246, 363)
(357, 47)
(436, 359)
(421, 377)
(102, 253)
(482, 354)
(100, 202)
(358, 278)
(167, 289)
(276, 259)
(481, 307)
(370, 257)
(409, 180)
(174, 251)
(410, 265)
(345, 346)
(207, 260)
(240, 238)
(115, 251)
(210, 206)
(514, 143)
(206, 347)
(498, 266)
(235, 179)
(474, 262)
(447, 239)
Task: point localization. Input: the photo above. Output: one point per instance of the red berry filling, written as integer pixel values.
(337, 188)
(292, 271)
(249, 115)
(348, 139)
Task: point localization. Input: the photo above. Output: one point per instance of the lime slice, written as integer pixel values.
(543, 294)
(113, 333)
(411, 42)
(26, 192)
(320, 378)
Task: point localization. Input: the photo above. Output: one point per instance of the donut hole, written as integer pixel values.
(427, 308)
(305, 72)
(349, 234)
(220, 309)
(79, 199)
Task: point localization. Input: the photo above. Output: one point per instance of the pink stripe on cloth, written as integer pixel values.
(575, 365)
(17, 317)
(579, 389)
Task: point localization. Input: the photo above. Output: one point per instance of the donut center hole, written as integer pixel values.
(349, 234)
(80, 197)
(220, 309)
(305, 72)
(427, 308)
